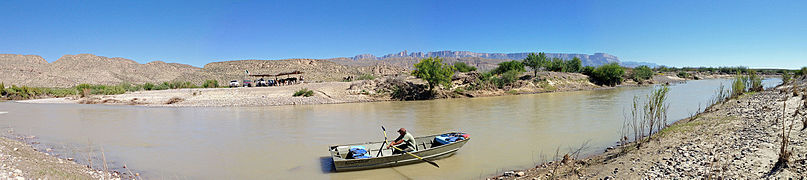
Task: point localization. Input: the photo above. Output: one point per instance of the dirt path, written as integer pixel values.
(737, 140)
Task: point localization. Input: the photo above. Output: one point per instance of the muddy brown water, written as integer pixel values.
(290, 142)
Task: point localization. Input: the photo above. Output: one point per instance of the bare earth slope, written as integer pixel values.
(70, 70)
(314, 70)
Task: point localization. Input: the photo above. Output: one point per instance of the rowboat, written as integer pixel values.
(428, 147)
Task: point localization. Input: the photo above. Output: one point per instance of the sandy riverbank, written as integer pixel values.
(738, 139)
(324, 93)
(379, 89)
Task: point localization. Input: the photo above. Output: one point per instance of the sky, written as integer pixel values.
(760, 34)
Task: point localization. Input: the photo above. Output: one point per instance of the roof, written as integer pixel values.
(279, 74)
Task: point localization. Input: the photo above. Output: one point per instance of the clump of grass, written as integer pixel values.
(366, 77)
(513, 91)
(174, 100)
(738, 86)
(650, 115)
(784, 154)
(304, 92)
(211, 84)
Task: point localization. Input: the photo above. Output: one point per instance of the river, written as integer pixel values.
(290, 142)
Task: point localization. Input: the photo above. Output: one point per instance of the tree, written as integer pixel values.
(535, 61)
(462, 67)
(642, 73)
(575, 65)
(509, 66)
(609, 74)
(433, 71)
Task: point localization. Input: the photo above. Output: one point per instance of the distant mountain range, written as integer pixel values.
(596, 59)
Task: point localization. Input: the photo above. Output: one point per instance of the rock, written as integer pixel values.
(520, 174)
(509, 173)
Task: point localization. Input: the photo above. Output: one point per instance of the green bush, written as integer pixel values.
(642, 73)
(462, 67)
(609, 74)
(162, 86)
(60, 92)
(575, 65)
(211, 84)
(507, 79)
(683, 74)
(786, 77)
(366, 77)
(2, 89)
(304, 92)
(754, 81)
(148, 86)
(802, 72)
(509, 66)
(588, 70)
(738, 86)
(433, 71)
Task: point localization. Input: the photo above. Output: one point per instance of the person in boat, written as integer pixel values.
(405, 141)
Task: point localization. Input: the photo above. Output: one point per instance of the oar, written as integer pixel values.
(385, 141)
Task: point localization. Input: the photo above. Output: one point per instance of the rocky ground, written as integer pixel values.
(738, 139)
(19, 160)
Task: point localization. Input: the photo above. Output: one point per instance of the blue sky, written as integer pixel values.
(678, 33)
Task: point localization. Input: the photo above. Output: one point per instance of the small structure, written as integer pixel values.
(283, 81)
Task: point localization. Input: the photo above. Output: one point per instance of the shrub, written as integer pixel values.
(575, 65)
(507, 79)
(509, 66)
(60, 92)
(148, 86)
(433, 71)
(754, 81)
(588, 70)
(802, 72)
(738, 86)
(211, 84)
(366, 77)
(609, 74)
(642, 73)
(304, 92)
(683, 74)
(786, 77)
(462, 67)
(2, 89)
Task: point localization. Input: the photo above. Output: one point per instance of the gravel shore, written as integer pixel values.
(738, 139)
(19, 161)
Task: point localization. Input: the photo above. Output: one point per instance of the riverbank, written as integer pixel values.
(736, 139)
(19, 160)
(378, 89)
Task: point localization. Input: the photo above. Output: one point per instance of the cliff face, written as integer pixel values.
(596, 59)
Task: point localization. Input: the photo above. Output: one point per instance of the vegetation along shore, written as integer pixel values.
(430, 78)
(747, 132)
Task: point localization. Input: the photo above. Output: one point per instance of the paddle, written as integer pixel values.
(385, 141)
